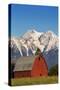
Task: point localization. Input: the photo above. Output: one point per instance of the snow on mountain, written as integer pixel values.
(31, 34)
(27, 44)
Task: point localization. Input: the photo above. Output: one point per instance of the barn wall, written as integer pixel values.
(39, 68)
(18, 74)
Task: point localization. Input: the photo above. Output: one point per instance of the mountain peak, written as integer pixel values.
(50, 31)
(29, 33)
(32, 30)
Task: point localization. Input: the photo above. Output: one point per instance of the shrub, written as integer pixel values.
(53, 70)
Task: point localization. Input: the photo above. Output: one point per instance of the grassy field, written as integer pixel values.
(32, 81)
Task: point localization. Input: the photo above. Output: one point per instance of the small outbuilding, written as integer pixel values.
(30, 66)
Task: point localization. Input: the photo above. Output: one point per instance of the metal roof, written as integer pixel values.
(24, 63)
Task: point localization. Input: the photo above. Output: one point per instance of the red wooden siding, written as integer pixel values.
(39, 68)
(18, 74)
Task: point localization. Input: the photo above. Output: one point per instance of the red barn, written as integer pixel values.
(30, 66)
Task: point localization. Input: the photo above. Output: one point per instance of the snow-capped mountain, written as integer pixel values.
(27, 44)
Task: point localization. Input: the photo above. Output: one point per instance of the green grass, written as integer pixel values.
(32, 81)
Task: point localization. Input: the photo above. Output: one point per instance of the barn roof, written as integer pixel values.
(24, 63)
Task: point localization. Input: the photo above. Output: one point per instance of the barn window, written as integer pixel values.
(40, 74)
(39, 58)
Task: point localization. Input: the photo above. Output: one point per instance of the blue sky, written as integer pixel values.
(25, 17)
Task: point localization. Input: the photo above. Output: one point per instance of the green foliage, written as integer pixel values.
(37, 51)
(53, 70)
